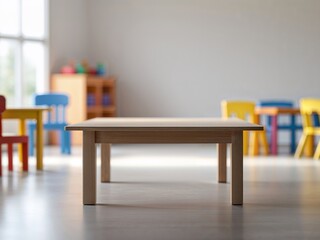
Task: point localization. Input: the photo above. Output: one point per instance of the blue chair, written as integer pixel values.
(56, 119)
(292, 126)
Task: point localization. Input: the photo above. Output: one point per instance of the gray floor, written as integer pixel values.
(162, 192)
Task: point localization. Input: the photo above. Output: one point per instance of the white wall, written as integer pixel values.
(182, 57)
(68, 26)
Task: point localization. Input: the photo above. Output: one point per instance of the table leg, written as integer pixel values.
(105, 162)
(237, 168)
(39, 142)
(89, 168)
(222, 162)
(22, 131)
(274, 135)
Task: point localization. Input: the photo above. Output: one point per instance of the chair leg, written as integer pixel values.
(62, 142)
(65, 142)
(245, 142)
(254, 144)
(317, 152)
(293, 141)
(293, 134)
(258, 137)
(68, 142)
(268, 132)
(10, 157)
(301, 145)
(31, 141)
(309, 147)
(264, 140)
(25, 156)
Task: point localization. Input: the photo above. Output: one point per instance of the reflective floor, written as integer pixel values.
(161, 192)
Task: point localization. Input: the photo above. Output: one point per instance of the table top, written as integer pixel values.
(23, 112)
(129, 124)
(276, 110)
(27, 109)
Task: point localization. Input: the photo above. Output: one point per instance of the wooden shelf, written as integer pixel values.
(81, 89)
(94, 109)
(109, 109)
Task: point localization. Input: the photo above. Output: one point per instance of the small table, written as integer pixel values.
(29, 113)
(274, 112)
(106, 131)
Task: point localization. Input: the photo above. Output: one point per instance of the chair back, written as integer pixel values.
(2, 104)
(310, 111)
(240, 109)
(245, 110)
(57, 102)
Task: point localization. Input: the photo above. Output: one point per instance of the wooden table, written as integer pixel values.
(106, 131)
(274, 113)
(29, 113)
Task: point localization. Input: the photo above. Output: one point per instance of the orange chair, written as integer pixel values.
(245, 111)
(308, 108)
(10, 140)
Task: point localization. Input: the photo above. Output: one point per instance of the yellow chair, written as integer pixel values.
(308, 107)
(245, 110)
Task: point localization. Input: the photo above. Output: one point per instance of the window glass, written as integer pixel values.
(9, 17)
(9, 69)
(33, 18)
(23, 50)
(33, 69)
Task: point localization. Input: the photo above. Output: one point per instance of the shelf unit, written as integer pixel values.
(87, 95)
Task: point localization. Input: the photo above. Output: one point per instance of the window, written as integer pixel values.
(23, 50)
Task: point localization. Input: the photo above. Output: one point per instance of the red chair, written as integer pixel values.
(10, 140)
